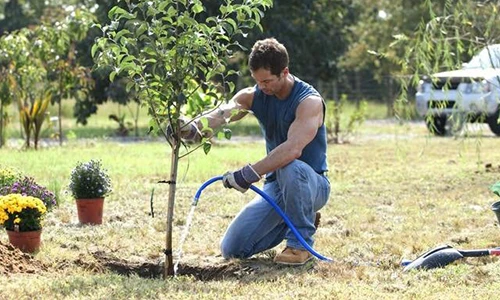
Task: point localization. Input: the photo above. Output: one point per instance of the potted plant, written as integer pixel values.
(89, 185)
(27, 186)
(22, 217)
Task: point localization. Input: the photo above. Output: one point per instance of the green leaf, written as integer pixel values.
(123, 32)
(204, 122)
(141, 29)
(153, 126)
(233, 25)
(496, 188)
(198, 8)
(206, 147)
(171, 11)
(112, 76)
(120, 13)
(94, 50)
(231, 86)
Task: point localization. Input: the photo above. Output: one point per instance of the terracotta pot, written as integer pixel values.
(90, 210)
(28, 241)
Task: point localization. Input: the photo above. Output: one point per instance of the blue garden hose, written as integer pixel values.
(275, 206)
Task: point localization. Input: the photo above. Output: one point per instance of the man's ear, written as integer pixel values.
(285, 72)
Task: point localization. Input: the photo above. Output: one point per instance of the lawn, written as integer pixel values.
(136, 120)
(396, 192)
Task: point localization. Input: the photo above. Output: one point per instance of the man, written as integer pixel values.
(291, 115)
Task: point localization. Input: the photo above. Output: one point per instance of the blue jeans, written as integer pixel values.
(299, 191)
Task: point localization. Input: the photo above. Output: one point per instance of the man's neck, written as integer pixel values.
(287, 87)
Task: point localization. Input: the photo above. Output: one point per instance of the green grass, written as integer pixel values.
(100, 126)
(396, 192)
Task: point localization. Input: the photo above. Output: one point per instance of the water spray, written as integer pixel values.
(269, 200)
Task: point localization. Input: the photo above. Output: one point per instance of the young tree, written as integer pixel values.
(171, 50)
(57, 52)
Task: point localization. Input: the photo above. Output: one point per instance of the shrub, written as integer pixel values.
(89, 180)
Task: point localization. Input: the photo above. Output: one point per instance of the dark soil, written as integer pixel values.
(12, 261)
(216, 271)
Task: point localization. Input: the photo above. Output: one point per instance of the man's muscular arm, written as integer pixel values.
(308, 118)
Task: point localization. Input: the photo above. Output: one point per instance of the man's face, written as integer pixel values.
(270, 84)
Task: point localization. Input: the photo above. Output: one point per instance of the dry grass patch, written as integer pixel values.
(393, 196)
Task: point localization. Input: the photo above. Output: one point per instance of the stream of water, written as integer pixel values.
(184, 235)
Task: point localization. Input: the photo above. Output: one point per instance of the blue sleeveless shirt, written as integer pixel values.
(275, 117)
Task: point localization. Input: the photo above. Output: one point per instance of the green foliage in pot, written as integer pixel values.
(89, 181)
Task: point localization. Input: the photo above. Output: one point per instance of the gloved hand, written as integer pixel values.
(241, 179)
(189, 132)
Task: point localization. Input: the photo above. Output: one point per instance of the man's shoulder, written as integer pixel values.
(304, 91)
(244, 97)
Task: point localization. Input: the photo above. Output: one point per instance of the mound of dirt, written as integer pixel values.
(13, 260)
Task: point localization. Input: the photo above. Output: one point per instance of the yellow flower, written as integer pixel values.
(12, 211)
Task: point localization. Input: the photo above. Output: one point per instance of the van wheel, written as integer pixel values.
(493, 122)
(436, 124)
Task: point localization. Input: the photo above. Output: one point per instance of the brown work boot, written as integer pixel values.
(293, 257)
(317, 220)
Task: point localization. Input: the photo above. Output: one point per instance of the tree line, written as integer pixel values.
(45, 53)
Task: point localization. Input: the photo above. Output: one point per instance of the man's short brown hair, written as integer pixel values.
(268, 54)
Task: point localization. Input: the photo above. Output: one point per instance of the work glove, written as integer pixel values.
(241, 179)
(189, 132)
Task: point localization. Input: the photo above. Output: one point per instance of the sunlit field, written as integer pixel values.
(396, 192)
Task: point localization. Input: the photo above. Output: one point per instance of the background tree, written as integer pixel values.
(8, 51)
(372, 53)
(171, 50)
(314, 31)
(59, 36)
(33, 97)
(17, 14)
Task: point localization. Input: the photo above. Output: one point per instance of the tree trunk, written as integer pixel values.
(169, 264)
(390, 97)
(36, 136)
(59, 116)
(336, 125)
(28, 140)
(358, 88)
(136, 121)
